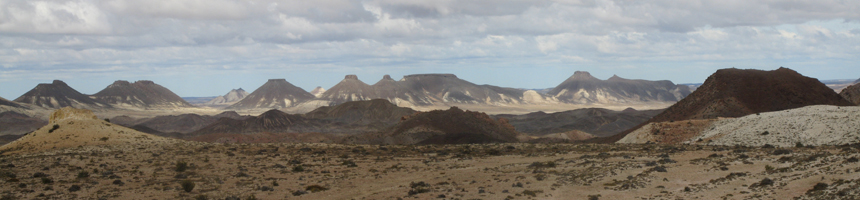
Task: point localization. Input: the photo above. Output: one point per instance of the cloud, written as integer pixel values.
(144, 35)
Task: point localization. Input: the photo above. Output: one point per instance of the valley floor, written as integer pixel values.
(492, 171)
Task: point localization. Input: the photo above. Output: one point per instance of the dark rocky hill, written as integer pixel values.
(584, 88)
(452, 126)
(377, 113)
(174, 125)
(141, 94)
(272, 121)
(852, 93)
(57, 95)
(12, 123)
(4, 102)
(738, 92)
(274, 94)
(598, 121)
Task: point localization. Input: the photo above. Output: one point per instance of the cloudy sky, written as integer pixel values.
(207, 47)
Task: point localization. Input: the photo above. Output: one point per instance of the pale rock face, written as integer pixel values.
(318, 91)
(68, 113)
(233, 96)
(811, 125)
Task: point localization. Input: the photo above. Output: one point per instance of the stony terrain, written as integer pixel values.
(489, 171)
(811, 125)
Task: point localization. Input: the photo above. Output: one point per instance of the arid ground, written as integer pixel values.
(191, 170)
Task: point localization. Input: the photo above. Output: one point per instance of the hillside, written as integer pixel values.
(174, 125)
(70, 127)
(582, 88)
(452, 126)
(598, 121)
(231, 97)
(377, 113)
(851, 93)
(57, 95)
(141, 94)
(274, 94)
(737, 92)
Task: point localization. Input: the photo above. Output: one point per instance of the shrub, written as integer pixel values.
(315, 188)
(298, 168)
(47, 180)
(181, 166)
(83, 174)
(56, 126)
(818, 187)
(201, 197)
(187, 185)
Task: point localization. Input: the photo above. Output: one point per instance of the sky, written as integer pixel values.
(207, 47)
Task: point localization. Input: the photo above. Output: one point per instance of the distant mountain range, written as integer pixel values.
(584, 88)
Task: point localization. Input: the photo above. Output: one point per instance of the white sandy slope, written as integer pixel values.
(811, 125)
(78, 128)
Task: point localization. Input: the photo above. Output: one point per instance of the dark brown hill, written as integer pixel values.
(598, 121)
(57, 95)
(349, 89)
(274, 94)
(852, 93)
(584, 88)
(737, 92)
(378, 113)
(140, 94)
(13, 123)
(272, 121)
(179, 124)
(452, 126)
(4, 102)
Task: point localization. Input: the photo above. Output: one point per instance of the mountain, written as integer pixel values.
(318, 91)
(452, 126)
(378, 112)
(13, 124)
(598, 121)
(174, 125)
(274, 94)
(71, 128)
(4, 102)
(272, 121)
(349, 89)
(584, 88)
(738, 92)
(141, 94)
(851, 93)
(57, 95)
(231, 97)
(425, 89)
(857, 81)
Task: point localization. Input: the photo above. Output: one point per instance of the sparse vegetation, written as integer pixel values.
(181, 166)
(187, 185)
(53, 128)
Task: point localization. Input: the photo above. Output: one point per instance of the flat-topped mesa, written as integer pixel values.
(277, 80)
(57, 95)
(351, 77)
(120, 83)
(582, 75)
(142, 94)
(387, 77)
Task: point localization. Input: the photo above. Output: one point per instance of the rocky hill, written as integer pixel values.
(452, 126)
(4, 102)
(14, 125)
(272, 121)
(425, 89)
(230, 98)
(736, 93)
(141, 94)
(318, 91)
(57, 95)
(598, 121)
(376, 113)
(174, 125)
(274, 94)
(852, 93)
(812, 125)
(583, 88)
(73, 128)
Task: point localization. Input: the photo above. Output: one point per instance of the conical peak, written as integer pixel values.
(351, 77)
(58, 82)
(615, 78)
